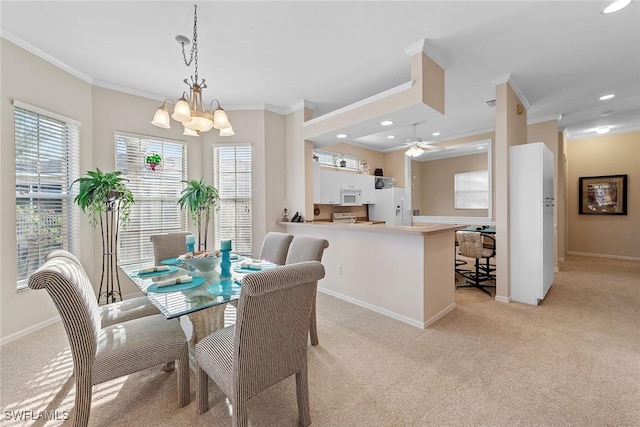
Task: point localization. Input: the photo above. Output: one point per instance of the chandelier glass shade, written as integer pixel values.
(189, 110)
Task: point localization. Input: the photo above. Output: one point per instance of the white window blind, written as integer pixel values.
(232, 178)
(156, 194)
(47, 162)
(472, 190)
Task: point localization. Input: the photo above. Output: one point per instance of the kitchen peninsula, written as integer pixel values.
(400, 271)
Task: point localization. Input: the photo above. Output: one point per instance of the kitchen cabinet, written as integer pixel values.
(328, 183)
(531, 202)
(368, 187)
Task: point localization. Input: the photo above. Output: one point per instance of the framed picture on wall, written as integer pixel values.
(603, 195)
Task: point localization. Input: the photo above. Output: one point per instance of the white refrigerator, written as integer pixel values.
(389, 206)
(531, 208)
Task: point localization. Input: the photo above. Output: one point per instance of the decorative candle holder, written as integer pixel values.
(285, 215)
(225, 265)
(191, 243)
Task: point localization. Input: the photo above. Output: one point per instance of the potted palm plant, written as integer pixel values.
(199, 198)
(107, 200)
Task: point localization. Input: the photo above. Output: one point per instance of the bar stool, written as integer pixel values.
(472, 245)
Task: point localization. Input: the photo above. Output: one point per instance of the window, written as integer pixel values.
(232, 178)
(155, 193)
(47, 162)
(472, 190)
(333, 159)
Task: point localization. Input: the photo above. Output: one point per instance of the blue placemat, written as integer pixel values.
(225, 288)
(171, 261)
(197, 281)
(158, 273)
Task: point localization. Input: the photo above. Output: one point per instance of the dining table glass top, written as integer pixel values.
(197, 293)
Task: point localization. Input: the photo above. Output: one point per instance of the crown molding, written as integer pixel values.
(299, 106)
(508, 78)
(553, 117)
(128, 90)
(428, 49)
(44, 56)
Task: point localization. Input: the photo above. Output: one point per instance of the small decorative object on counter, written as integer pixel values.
(285, 215)
(378, 172)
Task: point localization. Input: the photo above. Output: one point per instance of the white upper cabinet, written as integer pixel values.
(327, 185)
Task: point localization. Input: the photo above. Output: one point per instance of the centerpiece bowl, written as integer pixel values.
(204, 262)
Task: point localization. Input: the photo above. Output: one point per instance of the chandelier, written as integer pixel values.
(189, 110)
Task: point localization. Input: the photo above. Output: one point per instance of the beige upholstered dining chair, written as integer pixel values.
(305, 248)
(169, 245)
(275, 247)
(102, 353)
(116, 312)
(472, 245)
(267, 343)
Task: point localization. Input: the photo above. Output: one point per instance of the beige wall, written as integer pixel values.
(547, 132)
(604, 235)
(511, 129)
(29, 79)
(101, 111)
(437, 184)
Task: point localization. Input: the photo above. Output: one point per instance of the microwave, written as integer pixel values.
(350, 197)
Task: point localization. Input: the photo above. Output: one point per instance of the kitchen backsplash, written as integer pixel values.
(327, 210)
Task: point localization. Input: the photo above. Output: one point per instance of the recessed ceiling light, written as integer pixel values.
(386, 122)
(606, 113)
(602, 130)
(341, 135)
(436, 134)
(615, 6)
(391, 136)
(605, 97)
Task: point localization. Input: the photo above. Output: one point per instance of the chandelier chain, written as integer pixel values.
(194, 47)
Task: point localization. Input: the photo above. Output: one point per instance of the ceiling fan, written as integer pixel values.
(417, 146)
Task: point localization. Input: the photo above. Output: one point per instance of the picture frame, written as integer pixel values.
(602, 195)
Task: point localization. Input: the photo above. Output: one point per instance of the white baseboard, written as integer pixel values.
(627, 258)
(384, 311)
(27, 331)
(44, 324)
(439, 315)
(500, 298)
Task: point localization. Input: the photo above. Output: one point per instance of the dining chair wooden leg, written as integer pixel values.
(302, 394)
(202, 391)
(184, 386)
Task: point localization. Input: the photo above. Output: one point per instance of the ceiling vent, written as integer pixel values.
(491, 103)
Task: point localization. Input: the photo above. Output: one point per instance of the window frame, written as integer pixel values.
(140, 248)
(28, 118)
(246, 247)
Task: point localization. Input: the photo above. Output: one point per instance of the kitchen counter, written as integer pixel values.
(403, 272)
(380, 227)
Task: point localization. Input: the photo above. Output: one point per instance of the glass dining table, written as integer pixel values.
(203, 299)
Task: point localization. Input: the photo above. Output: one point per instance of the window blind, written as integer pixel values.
(232, 178)
(471, 190)
(47, 162)
(155, 193)
(330, 158)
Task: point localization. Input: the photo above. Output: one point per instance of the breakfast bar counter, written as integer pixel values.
(403, 272)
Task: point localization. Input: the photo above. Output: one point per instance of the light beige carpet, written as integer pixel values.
(573, 360)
